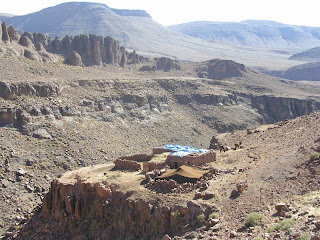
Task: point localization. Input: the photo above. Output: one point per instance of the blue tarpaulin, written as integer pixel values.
(181, 151)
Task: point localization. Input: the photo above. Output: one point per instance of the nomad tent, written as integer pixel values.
(183, 174)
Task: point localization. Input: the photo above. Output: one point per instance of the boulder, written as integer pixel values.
(167, 64)
(25, 41)
(220, 69)
(234, 194)
(281, 207)
(41, 134)
(208, 195)
(13, 34)
(74, 59)
(241, 186)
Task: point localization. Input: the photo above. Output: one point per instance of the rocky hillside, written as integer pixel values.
(311, 55)
(268, 189)
(136, 30)
(79, 50)
(307, 72)
(55, 118)
(15, 45)
(253, 33)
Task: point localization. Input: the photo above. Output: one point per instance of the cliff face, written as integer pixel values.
(9, 91)
(274, 109)
(94, 50)
(113, 214)
(247, 110)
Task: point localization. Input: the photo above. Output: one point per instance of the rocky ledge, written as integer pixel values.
(101, 196)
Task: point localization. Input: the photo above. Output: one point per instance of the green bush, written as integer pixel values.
(282, 225)
(201, 218)
(252, 219)
(305, 236)
(214, 215)
(314, 155)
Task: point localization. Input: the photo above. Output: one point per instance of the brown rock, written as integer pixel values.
(97, 59)
(167, 64)
(233, 234)
(124, 60)
(208, 195)
(166, 237)
(25, 41)
(221, 69)
(32, 55)
(13, 34)
(234, 194)
(74, 59)
(5, 35)
(198, 195)
(241, 186)
(281, 207)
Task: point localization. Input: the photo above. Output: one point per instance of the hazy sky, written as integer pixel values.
(169, 12)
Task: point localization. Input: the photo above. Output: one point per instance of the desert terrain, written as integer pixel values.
(70, 107)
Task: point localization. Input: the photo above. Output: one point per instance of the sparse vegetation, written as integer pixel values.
(201, 218)
(114, 175)
(214, 215)
(314, 155)
(305, 236)
(282, 225)
(175, 214)
(252, 219)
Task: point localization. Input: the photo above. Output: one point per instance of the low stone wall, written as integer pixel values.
(138, 157)
(190, 160)
(123, 164)
(149, 166)
(159, 150)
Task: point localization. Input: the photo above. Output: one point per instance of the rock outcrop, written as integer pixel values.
(112, 213)
(220, 69)
(94, 50)
(73, 59)
(167, 64)
(9, 91)
(274, 109)
(5, 36)
(16, 46)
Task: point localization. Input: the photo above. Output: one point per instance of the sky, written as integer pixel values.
(170, 12)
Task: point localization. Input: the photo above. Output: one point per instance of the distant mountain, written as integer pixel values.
(135, 29)
(253, 33)
(311, 55)
(308, 72)
(5, 15)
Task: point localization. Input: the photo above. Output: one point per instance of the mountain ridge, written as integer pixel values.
(135, 29)
(310, 55)
(254, 33)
